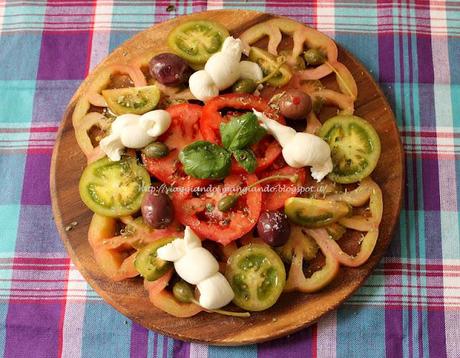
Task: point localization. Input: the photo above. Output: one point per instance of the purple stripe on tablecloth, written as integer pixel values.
(165, 346)
(33, 330)
(296, 345)
(139, 341)
(181, 349)
(436, 334)
(430, 170)
(393, 332)
(386, 58)
(36, 180)
(72, 61)
(425, 62)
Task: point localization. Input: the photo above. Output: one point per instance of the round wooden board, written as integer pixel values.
(293, 311)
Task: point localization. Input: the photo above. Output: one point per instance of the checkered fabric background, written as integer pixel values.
(409, 307)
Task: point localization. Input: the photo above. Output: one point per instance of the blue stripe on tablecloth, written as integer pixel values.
(106, 333)
(16, 101)
(355, 326)
(236, 352)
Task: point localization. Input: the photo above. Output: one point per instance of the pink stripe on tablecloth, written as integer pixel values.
(101, 39)
(74, 315)
(327, 336)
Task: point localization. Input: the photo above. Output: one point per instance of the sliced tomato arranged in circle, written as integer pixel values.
(266, 150)
(200, 210)
(184, 130)
(276, 192)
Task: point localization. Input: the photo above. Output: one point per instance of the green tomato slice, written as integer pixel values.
(147, 262)
(355, 148)
(113, 189)
(280, 75)
(196, 41)
(257, 277)
(136, 100)
(315, 212)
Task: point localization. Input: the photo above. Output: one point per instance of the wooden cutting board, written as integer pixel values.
(294, 310)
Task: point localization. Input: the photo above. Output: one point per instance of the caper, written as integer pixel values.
(183, 292)
(244, 85)
(314, 57)
(227, 202)
(156, 150)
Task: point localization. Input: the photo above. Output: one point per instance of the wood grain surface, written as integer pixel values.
(294, 310)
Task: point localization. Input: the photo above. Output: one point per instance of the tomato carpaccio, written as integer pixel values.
(275, 193)
(266, 150)
(184, 130)
(199, 210)
(195, 200)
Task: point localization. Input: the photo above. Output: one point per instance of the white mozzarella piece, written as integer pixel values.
(202, 86)
(135, 136)
(300, 149)
(318, 172)
(191, 239)
(172, 251)
(223, 70)
(112, 146)
(251, 71)
(157, 122)
(305, 149)
(215, 292)
(196, 265)
(283, 134)
(134, 131)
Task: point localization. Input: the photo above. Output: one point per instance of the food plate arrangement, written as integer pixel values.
(227, 169)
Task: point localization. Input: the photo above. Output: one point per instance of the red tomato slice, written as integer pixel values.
(275, 193)
(266, 150)
(200, 212)
(184, 130)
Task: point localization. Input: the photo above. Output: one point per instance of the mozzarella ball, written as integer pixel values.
(135, 136)
(306, 149)
(215, 292)
(197, 265)
(251, 71)
(223, 69)
(156, 122)
(202, 85)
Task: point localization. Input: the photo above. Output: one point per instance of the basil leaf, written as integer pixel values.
(246, 158)
(205, 160)
(241, 132)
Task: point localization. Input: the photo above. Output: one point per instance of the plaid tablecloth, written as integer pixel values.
(409, 307)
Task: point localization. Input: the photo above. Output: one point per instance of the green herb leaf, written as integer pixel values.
(246, 158)
(205, 160)
(241, 132)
